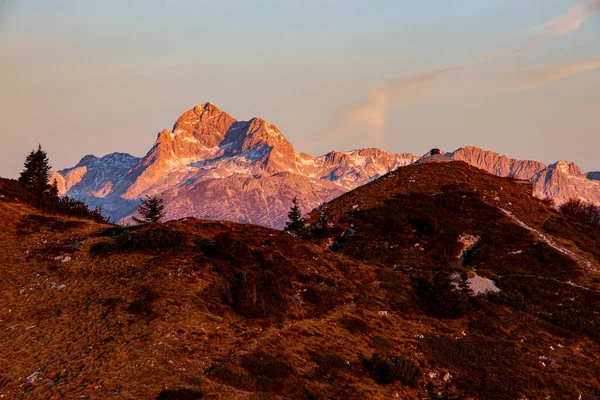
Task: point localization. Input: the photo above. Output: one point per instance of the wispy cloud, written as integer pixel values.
(526, 79)
(572, 19)
(369, 116)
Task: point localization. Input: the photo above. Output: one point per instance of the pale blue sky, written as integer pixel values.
(96, 77)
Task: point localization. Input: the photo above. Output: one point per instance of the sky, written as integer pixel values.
(521, 78)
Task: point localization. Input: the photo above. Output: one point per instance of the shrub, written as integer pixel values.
(549, 201)
(157, 239)
(113, 231)
(257, 285)
(440, 298)
(323, 297)
(388, 369)
(424, 224)
(514, 300)
(574, 323)
(328, 363)
(205, 244)
(143, 304)
(381, 343)
(154, 239)
(232, 376)
(584, 212)
(257, 294)
(355, 325)
(11, 189)
(257, 371)
(180, 394)
(103, 248)
(76, 208)
(264, 365)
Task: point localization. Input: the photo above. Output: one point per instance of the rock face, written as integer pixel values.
(560, 181)
(213, 166)
(497, 164)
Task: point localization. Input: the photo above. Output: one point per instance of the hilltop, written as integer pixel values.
(212, 309)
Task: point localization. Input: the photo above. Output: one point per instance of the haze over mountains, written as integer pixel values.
(212, 166)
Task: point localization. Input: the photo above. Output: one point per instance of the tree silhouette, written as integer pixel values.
(295, 217)
(151, 209)
(35, 176)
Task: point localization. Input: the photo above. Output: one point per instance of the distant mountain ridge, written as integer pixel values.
(213, 166)
(561, 180)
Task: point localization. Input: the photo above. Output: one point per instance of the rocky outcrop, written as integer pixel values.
(213, 166)
(498, 164)
(560, 181)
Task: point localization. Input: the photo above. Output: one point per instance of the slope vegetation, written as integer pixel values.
(373, 301)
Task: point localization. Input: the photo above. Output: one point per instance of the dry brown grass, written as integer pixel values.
(243, 312)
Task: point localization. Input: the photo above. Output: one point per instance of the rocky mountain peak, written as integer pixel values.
(208, 108)
(197, 114)
(566, 167)
(203, 121)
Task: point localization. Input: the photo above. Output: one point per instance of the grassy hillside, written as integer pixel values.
(367, 305)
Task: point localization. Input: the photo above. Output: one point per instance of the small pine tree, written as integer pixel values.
(35, 176)
(151, 209)
(295, 217)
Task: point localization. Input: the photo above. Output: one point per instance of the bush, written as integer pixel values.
(143, 304)
(259, 284)
(328, 363)
(549, 201)
(381, 343)
(264, 365)
(34, 223)
(574, 323)
(11, 189)
(257, 294)
(113, 231)
(154, 239)
(76, 208)
(323, 297)
(388, 369)
(584, 212)
(205, 244)
(180, 394)
(257, 371)
(355, 325)
(103, 249)
(440, 298)
(158, 239)
(514, 300)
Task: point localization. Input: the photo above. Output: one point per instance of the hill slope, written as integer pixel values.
(223, 310)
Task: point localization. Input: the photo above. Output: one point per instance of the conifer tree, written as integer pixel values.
(295, 217)
(151, 210)
(35, 176)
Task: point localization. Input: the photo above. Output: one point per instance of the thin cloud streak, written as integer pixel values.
(370, 115)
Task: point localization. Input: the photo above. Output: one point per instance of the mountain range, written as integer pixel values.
(212, 166)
